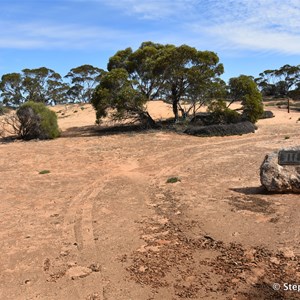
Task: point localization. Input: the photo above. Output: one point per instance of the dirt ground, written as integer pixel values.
(103, 223)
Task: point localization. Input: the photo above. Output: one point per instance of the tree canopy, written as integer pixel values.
(244, 89)
(156, 71)
(279, 82)
(83, 81)
(47, 86)
(12, 89)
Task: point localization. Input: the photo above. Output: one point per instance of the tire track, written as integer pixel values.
(79, 240)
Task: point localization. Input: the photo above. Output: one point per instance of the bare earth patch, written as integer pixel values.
(105, 224)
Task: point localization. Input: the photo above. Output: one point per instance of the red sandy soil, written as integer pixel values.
(105, 224)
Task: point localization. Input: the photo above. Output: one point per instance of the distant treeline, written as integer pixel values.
(180, 75)
(283, 82)
(49, 87)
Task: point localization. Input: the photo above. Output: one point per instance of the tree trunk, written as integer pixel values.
(147, 121)
(175, 109)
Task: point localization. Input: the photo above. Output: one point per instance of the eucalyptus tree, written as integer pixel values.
(133, 78)
(145, 67)
(279, 82)
(244, 89)
(188, 69)
(116, 94)
(169, 72)
(84, 79)
(12, 89)
(203, 93)
(42, 85)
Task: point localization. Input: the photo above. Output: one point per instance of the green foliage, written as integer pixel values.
(280, 82)
(37, 121)
(44, 172)
(38, 85)
(12, 89)
(221, 114)
(252, 107)
(171, 73)
(115, 93)
(191, 75)
(84, 80)
(173, 180)
(43, 85)
(244, 89)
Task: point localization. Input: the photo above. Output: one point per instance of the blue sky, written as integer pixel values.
(249, 36)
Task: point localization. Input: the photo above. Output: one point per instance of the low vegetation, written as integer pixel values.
(173, 180)
(32, 121)
(44, 172)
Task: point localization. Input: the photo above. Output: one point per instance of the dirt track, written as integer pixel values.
(104, 224)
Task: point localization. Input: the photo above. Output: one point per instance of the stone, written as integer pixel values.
(280, 178)
(78, 272)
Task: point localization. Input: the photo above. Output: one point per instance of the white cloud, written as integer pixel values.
(262, 25)
(155, 9)
(38, 35)
(221, 25)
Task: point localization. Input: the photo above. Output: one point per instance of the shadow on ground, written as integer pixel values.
(253, 190)
(93, 130)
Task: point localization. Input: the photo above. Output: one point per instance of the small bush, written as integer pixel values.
(286, 137)
(173, 180)
(44, 172)
(37, 122)
(252, 107)
(220, 114)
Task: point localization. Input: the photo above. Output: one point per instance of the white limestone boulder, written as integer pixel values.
(280, 171)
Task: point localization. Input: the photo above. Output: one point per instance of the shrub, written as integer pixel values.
(173, 180)
(44, 172)
(37, 121)
(244, 88)
(252, 107)
(220, 114)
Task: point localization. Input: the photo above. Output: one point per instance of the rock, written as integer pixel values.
(267, 114)
(275, 260)
(95, 267)
(78, 272)
(288, 253)
(143, 269)
(280, 178)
